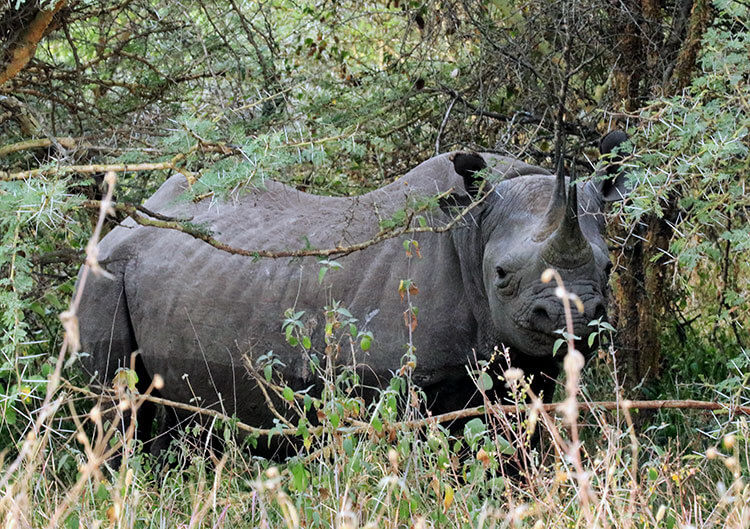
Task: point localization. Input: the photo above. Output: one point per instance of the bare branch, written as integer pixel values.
(442, 125)
(26, 48)
(68, 143)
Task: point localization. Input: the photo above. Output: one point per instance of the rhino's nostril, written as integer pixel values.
(599, 311)
(540, 319)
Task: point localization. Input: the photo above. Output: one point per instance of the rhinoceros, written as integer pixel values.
(194, 311)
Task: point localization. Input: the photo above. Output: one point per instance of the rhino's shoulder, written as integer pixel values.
(438, 175)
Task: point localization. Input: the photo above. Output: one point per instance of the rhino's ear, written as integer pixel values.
(612, 184)
(467, 165)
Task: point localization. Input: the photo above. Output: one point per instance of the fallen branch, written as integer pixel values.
(509, 409)
(588, 406)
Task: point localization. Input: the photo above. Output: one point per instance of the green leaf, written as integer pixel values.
(72, 521)
(365, 343)
(102, 493)
(268, 372)
(306, 343)
(377, 424)
(10, 415)
(299, 476)
(504, 446)
(344, 312)
(474, 430)
(497, 485)
(557, 345)
(288, 394)
(348, 446)
(302, 428)
(485, 381)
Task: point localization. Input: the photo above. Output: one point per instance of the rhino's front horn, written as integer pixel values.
(554, 212)
(567, 247)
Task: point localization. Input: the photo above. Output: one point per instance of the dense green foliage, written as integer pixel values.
(692, 173)
(339, 98)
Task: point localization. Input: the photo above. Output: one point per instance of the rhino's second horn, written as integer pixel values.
(567, 247)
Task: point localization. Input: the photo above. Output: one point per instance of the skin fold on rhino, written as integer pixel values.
(194, 311)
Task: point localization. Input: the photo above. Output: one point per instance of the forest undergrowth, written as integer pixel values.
(383, 463)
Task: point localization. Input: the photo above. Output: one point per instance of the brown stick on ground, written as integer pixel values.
(446, 417)
(602, 405)
(26, 47)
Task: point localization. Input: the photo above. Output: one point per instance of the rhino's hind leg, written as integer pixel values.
(155, 437)
(147, 410)
(106, 332)
(108, 338)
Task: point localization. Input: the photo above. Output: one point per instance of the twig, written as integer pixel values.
(133, 209)
(442, 125)
(262, 387)
(92, 168)
(171, 165)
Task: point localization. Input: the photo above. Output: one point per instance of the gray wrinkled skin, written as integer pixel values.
(193, 311)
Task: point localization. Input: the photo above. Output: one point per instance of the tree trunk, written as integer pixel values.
(641, 289)
(700, 19)
(640, 298)
(629, 70)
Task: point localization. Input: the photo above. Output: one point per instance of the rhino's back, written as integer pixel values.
(275, 216)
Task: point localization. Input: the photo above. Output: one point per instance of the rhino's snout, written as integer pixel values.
(547, 317)
(543, 318)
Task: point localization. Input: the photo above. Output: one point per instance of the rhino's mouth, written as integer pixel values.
(542, 344)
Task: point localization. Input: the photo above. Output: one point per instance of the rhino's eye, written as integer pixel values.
(503, 277)
(608, 269)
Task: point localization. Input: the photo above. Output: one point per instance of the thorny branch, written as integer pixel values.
(383, 235)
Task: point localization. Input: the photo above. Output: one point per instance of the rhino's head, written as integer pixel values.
(530, 223)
